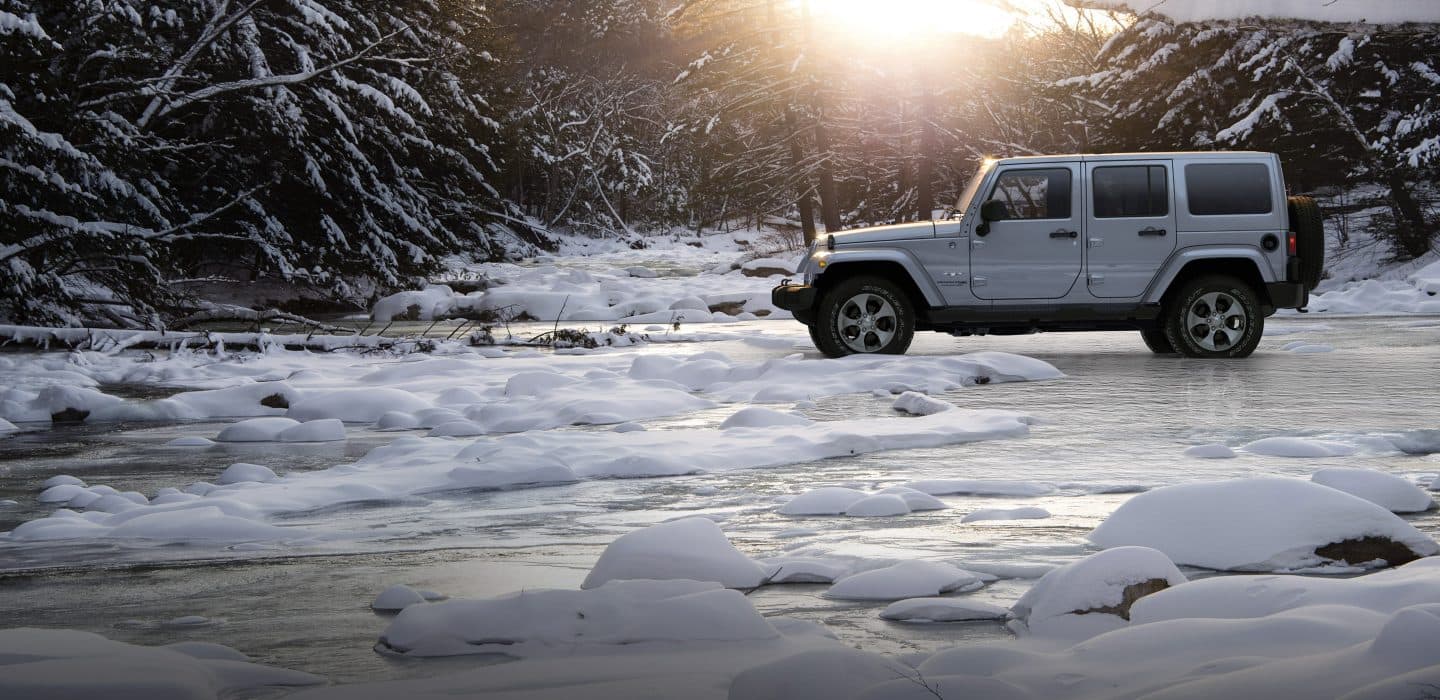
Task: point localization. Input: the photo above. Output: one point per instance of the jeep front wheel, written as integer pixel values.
(864, 315)
(1214, 316)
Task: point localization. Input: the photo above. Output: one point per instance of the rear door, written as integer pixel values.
(1035, 253)
(1130, 226)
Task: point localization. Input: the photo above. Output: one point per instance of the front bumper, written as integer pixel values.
(1288, 295)
(798, 299)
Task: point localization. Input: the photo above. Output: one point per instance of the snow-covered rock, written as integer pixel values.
(918, 404)
(1094, 594)
(908, 579)
(7, 427)
(1022, 513)
(241, 472)
(823, 674)
(1262, 524)
(1212, 451)
(62, 480)
(42, 664)
(397, 597)
(1298, 447)
(1385, 490)
(397, 420)
(620, 612)
(320, 430)
(690, 548)
(762, 417)
(958, 609)
(878, 505)
(257, 430)
(827, 500)
(355, 405)
(916, 500)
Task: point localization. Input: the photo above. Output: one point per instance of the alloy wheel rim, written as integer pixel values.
(867, 322)
(1216, 321)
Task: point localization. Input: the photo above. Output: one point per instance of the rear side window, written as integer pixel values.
(1034, 194)
(1131, 191)
(1218, 189)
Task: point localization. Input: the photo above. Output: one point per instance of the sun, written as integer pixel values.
(897, 18)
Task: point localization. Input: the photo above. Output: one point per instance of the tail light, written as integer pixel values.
(1292, 245)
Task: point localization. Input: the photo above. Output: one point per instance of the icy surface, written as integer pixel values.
(1025, 513)
(1259, 524)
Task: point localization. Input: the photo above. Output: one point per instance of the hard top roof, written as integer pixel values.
(1165, 155)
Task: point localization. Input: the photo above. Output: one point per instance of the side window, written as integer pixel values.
(1218, 189)
(1034, 194)
(1131, 191)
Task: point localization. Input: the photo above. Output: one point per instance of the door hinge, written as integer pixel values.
(980, 281)
(1097, 242)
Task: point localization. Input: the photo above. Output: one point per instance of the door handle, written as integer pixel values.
(1062, 233)
(1152, 231)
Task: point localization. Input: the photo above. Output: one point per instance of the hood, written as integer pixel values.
(896, 232)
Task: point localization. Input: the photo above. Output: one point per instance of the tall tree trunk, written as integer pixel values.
(903, 160)
(829, 204)
(802, 183)
(1412, 235)
(925, 204)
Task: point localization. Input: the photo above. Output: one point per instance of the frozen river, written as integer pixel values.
(1117, 424)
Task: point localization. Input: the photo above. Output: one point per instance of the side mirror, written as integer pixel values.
(993, 210)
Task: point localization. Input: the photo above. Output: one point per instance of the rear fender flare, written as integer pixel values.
(1177, 262)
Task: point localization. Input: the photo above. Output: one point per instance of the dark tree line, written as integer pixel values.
(347, 146)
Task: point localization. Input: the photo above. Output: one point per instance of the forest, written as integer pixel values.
(150, 151)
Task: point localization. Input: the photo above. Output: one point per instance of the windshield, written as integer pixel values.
(962, 204)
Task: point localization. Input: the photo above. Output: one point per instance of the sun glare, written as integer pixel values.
(901, 17)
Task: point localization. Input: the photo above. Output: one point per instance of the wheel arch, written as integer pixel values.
(890, 269)
(1239, 263)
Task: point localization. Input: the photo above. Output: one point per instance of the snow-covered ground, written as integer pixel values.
(726, 513)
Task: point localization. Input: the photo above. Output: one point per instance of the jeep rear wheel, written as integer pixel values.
(1214, 316)
(864, 315)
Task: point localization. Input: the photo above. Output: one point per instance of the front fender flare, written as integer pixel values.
(904, 258)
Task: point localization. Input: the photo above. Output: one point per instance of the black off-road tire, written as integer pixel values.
(1308, 223)
(1157, 342)
(1199, 318)
(864, 315)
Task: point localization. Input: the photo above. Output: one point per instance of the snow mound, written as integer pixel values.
(7, 427)
(257, 430)
(806, 569)
(535, 621)
(355, 405)
(1385, 490)
(241, 472)
(879, 505)
(397, 597)
(321, 430)
(908, 579)
(190, 441)
(827, 500)
(943, 610)
(1262, 524)
(1094, 594)
(980, 487)
(822, 674)
(1298, 447)
(918, 404)
(1023, 513)
(62, 480)
(761, 417)
(40, 664)
(690, 548)
(1214, 451)
(916, 500)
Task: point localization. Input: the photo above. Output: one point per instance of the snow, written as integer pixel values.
(1298, 447)
(980, 487)
(690, 548)
(1256, 524)
(908, 579)
(1379, 297)
(538, 621)
(1345, 11)
(1091, 594)
(397, 597)
(828, 500)
(62, 480)
(916, 500)
(1024, 513)
(916, 403)
(942, 610)
(42, 664)
(1212, 451)
(762, 417)
(879, 505)
(355, 405)
(815, 675)
(257, 430)
(319, 430)
(241, 472)
(1388, 491)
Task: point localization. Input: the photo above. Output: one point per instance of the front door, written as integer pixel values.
(1130, 227)
(1036, 251)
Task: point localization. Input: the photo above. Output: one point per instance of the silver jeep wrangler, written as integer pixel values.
(1194, 250)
